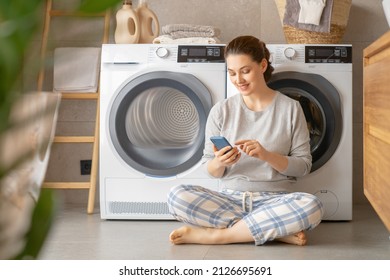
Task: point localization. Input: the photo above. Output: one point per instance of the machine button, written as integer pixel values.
(162, 52)
(290, 53)
(184, 52)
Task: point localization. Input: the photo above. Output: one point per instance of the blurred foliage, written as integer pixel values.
(19, 22)
(41, 221)
(93, 6)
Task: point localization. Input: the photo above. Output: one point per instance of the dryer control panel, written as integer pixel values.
(200, 54)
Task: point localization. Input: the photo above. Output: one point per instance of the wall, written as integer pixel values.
(234, 17)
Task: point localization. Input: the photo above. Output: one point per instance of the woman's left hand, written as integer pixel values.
(252, 148)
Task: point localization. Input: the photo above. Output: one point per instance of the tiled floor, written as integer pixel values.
(76, 235)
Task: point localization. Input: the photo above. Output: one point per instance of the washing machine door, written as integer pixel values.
(157, 122)
(321, 105)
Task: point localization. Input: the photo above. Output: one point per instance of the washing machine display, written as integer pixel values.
(320, 78)
(155, 100)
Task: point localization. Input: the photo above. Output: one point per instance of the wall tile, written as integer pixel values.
(367, 21)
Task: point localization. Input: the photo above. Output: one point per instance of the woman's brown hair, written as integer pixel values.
(253, 47)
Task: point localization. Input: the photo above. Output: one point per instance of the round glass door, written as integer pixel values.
(157, 122)
(321, 105)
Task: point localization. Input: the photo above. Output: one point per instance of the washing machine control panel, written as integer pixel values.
(200, 54)
(304, 54)
(328, 54)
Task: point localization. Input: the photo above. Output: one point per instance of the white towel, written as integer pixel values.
(189, 30)
(76, 69)
(166, 39)
(291, 15)
(311, 11)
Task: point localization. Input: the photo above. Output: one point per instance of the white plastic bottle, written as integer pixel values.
(150, 27)
(127, 25)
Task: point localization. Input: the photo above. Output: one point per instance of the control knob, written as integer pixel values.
(162, 52)
(290, 53)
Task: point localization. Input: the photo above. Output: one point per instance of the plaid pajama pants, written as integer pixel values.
(268, 215)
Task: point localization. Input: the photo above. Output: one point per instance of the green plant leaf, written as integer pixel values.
(19, 20)
(41, 222)
(94, 6)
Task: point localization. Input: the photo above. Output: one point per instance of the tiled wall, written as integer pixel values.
(234, 17)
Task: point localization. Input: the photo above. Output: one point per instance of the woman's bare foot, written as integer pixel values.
(238, 233)
(196, 235)
(296, 239)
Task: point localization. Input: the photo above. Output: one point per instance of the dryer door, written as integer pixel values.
(157, 122)
(321, 105)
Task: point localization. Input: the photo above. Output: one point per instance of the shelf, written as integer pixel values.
(74, 139)
(91, 185)
(79, 95)
(67, 185)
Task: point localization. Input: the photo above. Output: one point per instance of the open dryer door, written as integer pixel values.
(157, 122)
(321, 105)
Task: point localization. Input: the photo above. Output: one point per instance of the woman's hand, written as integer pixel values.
(226, 156)
(252, 148)
(223, 158)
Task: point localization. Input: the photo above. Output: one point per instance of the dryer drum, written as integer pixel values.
(162, 117)
(157, 122)
(321, 105)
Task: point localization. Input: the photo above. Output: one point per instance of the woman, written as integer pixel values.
(272, 148)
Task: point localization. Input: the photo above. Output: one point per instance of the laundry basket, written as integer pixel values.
(339, 19)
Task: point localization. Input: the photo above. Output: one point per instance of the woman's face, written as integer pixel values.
(245, 74)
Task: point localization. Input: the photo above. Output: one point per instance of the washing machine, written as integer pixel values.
(320, 78)
(154, 103)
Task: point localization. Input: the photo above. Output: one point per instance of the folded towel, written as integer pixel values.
(76, 69)
(292, 12)
(311, 11)
(166, 39)
(189, 30)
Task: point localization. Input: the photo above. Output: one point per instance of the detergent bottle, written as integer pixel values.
(127, 25)
(150, 27)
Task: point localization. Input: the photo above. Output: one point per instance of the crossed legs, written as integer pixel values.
(218, 219)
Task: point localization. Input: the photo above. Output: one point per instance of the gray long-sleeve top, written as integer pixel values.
(281, 127)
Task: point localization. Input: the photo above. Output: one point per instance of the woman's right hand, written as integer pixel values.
(226, 156)
(223, 158)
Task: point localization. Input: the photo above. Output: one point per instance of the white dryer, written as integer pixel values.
(154, 104)
(320, 77)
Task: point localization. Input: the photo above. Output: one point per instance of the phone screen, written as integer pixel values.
(220, 142)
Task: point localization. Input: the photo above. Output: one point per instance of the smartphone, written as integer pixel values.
(220, 142)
